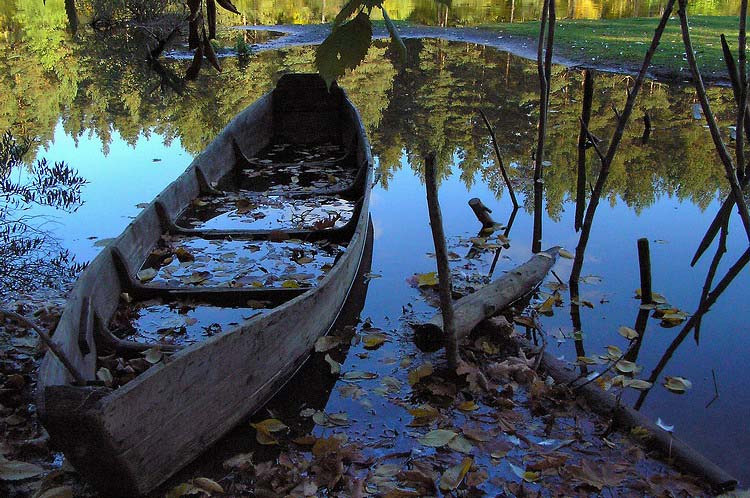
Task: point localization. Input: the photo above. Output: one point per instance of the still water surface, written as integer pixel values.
(129, 136)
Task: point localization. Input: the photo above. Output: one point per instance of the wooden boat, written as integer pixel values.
(296, 143)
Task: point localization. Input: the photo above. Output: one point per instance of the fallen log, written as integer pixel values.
(487, 301)
(626, 418)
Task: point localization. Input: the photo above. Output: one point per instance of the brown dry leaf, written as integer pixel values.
(598, 475)
(476, 433)
(359, 375)
(526, 321)
(184, 489)
(184, 255)
(452, 477)
(197, 277)
(15, 470)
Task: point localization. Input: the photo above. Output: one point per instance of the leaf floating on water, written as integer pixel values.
(423, 415)
(427, 279)
(625, 366)
(15, 470)
(327, 343)
(628, 333)
(184, 255)
(639, 384)
(374, 340)
(585, 360)
(437, 438)
(146, 275)
(335, 366)
(677, 385)
(452, 477)
(290, 284)
(359, 375)
(152, 355)
(526, 475)
(468, 406)
(208, 485)
(461, 444)
(591, 279)
(197, 277)
(266, 428)
(564, 253)
(419, 373)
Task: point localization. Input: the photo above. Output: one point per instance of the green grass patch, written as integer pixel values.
(623, 42)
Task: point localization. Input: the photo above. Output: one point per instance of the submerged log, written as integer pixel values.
(487, 301)
(627, 418)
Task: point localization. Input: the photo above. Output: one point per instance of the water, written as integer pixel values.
(129, 138)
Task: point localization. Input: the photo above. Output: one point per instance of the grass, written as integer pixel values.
(622, 43)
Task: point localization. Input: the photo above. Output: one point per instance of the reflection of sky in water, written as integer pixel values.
(128, 175)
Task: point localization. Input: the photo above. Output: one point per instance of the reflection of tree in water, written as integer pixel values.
(100, 83)
(29, 255)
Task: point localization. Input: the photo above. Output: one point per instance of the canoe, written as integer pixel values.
(252, 250)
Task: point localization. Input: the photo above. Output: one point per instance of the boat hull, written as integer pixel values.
(129, 440)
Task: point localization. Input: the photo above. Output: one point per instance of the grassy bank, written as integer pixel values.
(622, 43)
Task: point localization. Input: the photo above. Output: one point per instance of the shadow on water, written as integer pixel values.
(309, 388)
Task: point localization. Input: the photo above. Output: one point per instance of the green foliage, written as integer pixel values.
(345, 48)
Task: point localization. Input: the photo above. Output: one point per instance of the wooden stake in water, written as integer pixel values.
(441, 254)
(644, 262)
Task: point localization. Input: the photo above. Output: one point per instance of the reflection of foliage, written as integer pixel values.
(28, 256)
(102, 84)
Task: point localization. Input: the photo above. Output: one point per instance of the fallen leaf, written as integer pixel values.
(146, 275)
(437, 438)
(564, 253)
(242, 461)
(359, 375)
(374, 340)
(460, 444)
(326, 343)
(628, 333)
(639, 384)
(596, 474)
(152, 355)
(197, 277)
(677, 385)
(419, 373)
(15, 470)
(208, 485)
(335, 366)
(468, 406)
(427, 279)
(526, 475)
(184, 255)
(452, 477)
(266, 428)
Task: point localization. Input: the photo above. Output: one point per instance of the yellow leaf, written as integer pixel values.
(374, 340)
(270, 425)
(290, 284)
(637, 384)
(181, 490)
(208, 485)
(419, 373)
(564, 253)
(427, 279)
(625, 366)
(452, 477)
(526, 475)
(468, 406)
